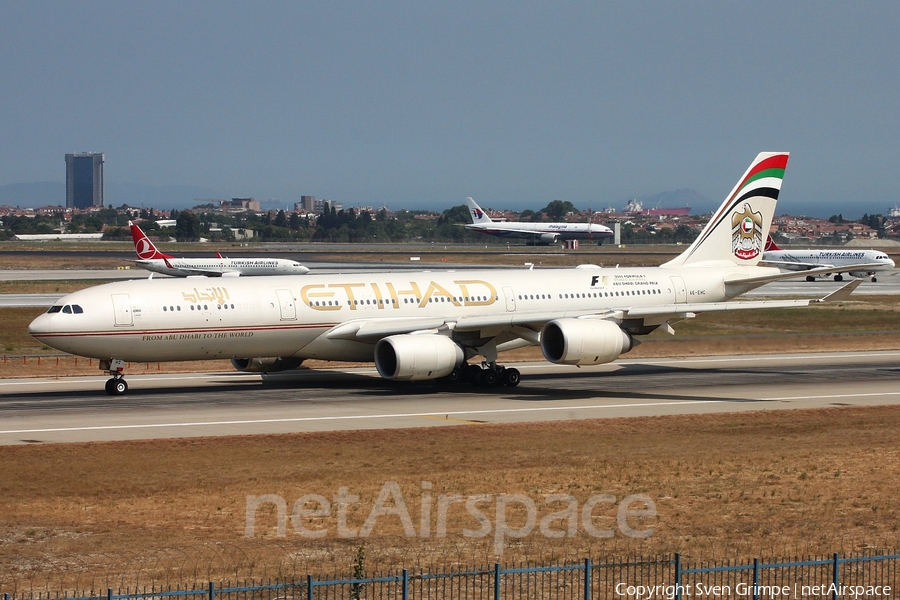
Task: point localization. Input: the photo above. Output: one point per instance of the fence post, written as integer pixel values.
(837, 578)
(587, 579)
(496, 581)
(109, 594)
(405, 584)
(5, 595)
(755, 579)
(212, 591)
(677, 576)
(309, 587)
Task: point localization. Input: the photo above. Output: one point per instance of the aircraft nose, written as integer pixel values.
(40, 325)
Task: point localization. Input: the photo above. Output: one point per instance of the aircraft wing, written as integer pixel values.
(791, 264)
(527, 324)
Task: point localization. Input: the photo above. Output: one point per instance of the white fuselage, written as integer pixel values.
(562, 231)
(801, 260)
(206, 318)
(184, 267)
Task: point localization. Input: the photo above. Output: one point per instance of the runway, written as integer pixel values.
(215, 404)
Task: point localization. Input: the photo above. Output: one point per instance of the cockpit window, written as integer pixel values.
(54, 309)
(77, 309)
(67, 309)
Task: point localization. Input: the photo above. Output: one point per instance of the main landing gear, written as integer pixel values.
(488, 374)
(116, 386)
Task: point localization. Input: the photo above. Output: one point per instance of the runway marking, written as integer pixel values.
(361, 417)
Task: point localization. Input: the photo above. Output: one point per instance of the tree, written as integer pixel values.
(557, 209)
(187, 227)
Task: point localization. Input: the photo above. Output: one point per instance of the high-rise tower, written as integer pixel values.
(84, 180)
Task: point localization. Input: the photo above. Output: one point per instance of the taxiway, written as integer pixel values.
(214, 404)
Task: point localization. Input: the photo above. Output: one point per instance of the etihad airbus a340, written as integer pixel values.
(427, 325)
(153, 260)
(536, 233)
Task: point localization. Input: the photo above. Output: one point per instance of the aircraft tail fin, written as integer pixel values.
(479, 217)
(143, 246)
(737, 231)
(770, 244)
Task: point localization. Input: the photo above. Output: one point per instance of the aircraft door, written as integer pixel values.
(680, 290)
(510, 298)
(122, 308)
(286, 304)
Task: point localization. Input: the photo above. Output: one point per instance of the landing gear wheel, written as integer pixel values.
(455, 376)
(838, 277)
(487, 378)
(511, 377)
(874, 279)
(116, 387)
(810, 278)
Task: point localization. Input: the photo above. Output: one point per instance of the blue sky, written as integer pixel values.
(417, 105)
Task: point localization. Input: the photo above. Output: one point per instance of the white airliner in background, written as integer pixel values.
(858, 263)
(537, 233)
(153, 260)
(426, 325)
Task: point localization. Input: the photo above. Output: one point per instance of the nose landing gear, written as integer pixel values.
(116, 386)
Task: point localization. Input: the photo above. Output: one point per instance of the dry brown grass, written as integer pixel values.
(738, 485)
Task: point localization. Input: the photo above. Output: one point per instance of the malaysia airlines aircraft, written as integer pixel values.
(426, 325)
(537, 233)
(858, 263)
(153, 260)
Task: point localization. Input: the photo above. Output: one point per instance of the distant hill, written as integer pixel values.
(33, 195)
(52, 193)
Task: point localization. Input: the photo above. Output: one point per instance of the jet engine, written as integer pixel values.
(415, 357)
(584, 341)
(548, 238)
(269, 364)
(861, 274)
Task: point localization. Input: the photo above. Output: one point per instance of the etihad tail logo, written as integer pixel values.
(746, 233)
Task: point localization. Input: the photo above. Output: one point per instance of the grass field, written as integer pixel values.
(778, 483)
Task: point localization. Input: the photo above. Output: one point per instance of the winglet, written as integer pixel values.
(843, 293)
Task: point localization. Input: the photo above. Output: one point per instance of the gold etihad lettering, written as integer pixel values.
(210, 294)
(472, 292)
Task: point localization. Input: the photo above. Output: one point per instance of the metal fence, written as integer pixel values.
(664, 578)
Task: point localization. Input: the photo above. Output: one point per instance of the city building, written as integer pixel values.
(84, 180)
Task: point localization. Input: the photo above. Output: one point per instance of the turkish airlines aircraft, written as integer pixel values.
(858, 263)
(537, 233)
(426, 325)
(153, 260)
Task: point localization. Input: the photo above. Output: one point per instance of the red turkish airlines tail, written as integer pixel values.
(770, 244)
(143, 246)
